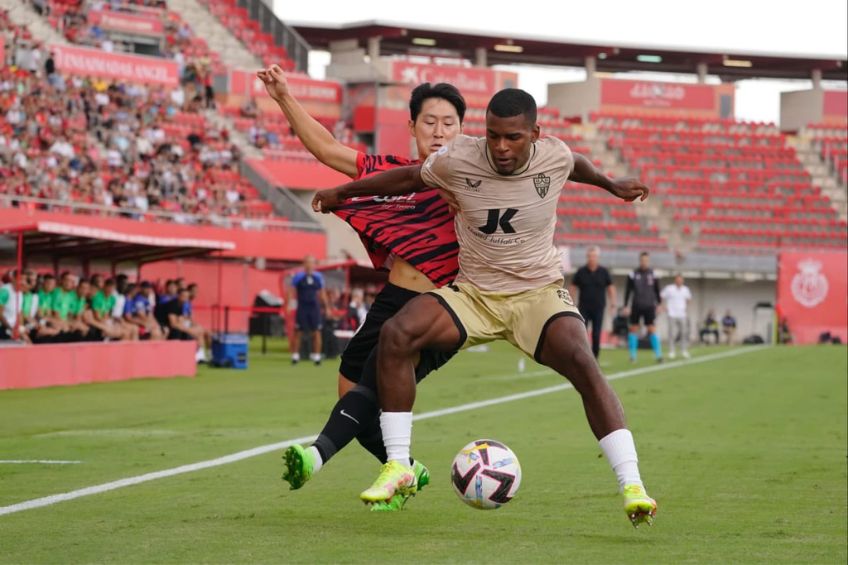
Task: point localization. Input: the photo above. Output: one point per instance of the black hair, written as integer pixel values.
(48, 277)
(442, 90)
(191, 286)
(511, 102)
(644, 254)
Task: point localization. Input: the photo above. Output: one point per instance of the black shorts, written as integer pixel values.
(646, 314)
(386, 304)
(308, 318)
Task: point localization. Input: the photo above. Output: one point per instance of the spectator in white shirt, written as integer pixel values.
(676, 298)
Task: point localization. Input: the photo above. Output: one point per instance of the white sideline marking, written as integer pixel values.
(262, 449)
(37, 462)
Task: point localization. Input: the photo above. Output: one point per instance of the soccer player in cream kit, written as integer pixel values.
(506, 188)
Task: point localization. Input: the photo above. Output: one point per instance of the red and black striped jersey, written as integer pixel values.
(416, 227)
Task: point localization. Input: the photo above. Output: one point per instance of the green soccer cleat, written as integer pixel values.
(299, 465)
(394, 478)
(398, 501)
(638, 506)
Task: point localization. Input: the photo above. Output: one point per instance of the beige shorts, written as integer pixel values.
(519, 318)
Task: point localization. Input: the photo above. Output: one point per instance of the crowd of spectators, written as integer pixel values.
(40, 308)
(129, 148)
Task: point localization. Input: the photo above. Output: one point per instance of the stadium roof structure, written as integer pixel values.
(412, 39)
(60, 240)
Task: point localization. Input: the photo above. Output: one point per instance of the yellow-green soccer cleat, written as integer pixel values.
(394, 478)
(299, 466)
(397, 502)
(638, 506)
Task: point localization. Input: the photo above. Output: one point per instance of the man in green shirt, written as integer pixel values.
(10, 307)
(45, 294)
(100, 317)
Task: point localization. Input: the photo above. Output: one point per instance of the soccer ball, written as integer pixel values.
(485, 474)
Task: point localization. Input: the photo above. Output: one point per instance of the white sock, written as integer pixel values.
(316, 458)
(620, 451)
(295, 356)
(397, 435)
(315, 356)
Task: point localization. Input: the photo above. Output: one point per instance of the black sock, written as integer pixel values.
(356, 412)
(371, 438)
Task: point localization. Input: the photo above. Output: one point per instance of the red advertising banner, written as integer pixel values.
(835, 105)
(469, 80)
(130, 68)
(812, 294)
(139, 24)
(647, 94)
(301, 86)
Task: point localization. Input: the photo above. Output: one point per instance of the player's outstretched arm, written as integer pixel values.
(394, 182)
(311, 133)
(628, 189)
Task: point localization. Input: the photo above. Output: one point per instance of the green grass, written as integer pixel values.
(746, 456)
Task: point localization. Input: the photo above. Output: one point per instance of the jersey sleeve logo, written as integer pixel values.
(542, 183)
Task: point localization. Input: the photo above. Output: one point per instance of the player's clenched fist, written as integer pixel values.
(275, 81)
(629, 189)
(327, 200)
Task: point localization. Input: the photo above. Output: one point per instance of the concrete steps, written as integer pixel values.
(821, 174)
(22, 14)
(232, 51)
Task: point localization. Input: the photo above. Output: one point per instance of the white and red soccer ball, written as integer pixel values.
(485, 474)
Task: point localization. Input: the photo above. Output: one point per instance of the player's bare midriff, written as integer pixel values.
(406, 276)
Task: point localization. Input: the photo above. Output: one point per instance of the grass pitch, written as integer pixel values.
(746, 456)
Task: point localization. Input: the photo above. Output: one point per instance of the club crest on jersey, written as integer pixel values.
(473, 186)
(542, 183)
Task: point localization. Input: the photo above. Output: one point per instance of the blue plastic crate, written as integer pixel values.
(229, 350)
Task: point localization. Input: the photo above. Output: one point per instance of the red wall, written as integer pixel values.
(35, 366)
(229, 285)
(302, 175)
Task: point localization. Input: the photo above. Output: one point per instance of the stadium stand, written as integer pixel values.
(735, 186)
(126, 149)
(249, 31)
(831, 144)
(73, 19)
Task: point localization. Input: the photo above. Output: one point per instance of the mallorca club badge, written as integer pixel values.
(809, 285)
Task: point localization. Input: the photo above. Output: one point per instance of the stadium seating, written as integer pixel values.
(832, 145)
(72, 141)
(70, 17)
(249, 31)
(733, 185)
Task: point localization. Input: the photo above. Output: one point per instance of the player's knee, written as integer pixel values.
(397, 337)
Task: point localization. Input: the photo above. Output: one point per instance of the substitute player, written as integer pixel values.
(644, 287)
(509, 286)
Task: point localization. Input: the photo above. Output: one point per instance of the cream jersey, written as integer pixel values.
(505, 225)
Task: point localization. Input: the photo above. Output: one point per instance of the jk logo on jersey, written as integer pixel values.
(542, 183)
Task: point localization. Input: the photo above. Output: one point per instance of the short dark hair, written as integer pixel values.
(644, 254)
(511, 102)
(48, 277)
(442, 90)
(191, 286)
